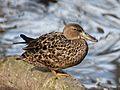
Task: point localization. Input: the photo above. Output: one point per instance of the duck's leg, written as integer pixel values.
(59, 74)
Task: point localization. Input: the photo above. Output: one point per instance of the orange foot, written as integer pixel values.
(58, 74)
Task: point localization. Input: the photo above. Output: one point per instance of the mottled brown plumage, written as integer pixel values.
(57, 50)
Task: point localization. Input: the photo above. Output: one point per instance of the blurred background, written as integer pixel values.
(100, 18)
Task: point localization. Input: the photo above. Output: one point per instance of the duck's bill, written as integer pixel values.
(89, 37)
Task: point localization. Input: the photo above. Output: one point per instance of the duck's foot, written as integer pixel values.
(59, 74)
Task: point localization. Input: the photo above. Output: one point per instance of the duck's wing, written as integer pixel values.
(39, 44)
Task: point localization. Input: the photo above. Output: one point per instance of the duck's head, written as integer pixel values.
(75, 31)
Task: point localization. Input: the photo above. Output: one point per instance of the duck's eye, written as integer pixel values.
(74, 29)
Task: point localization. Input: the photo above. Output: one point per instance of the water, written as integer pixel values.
(100, 18)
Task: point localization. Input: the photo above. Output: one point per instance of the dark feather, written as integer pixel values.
(27, 39)
(19, 43)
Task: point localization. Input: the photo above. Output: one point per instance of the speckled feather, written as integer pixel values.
(55, 51)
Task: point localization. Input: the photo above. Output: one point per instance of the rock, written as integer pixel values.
(19, 75)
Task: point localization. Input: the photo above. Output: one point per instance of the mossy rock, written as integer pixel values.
(19, 75)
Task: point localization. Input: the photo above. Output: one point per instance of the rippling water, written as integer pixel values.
(100, 18)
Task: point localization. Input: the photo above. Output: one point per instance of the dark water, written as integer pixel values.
(100, 18)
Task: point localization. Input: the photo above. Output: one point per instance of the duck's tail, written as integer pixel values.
(27, 39)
